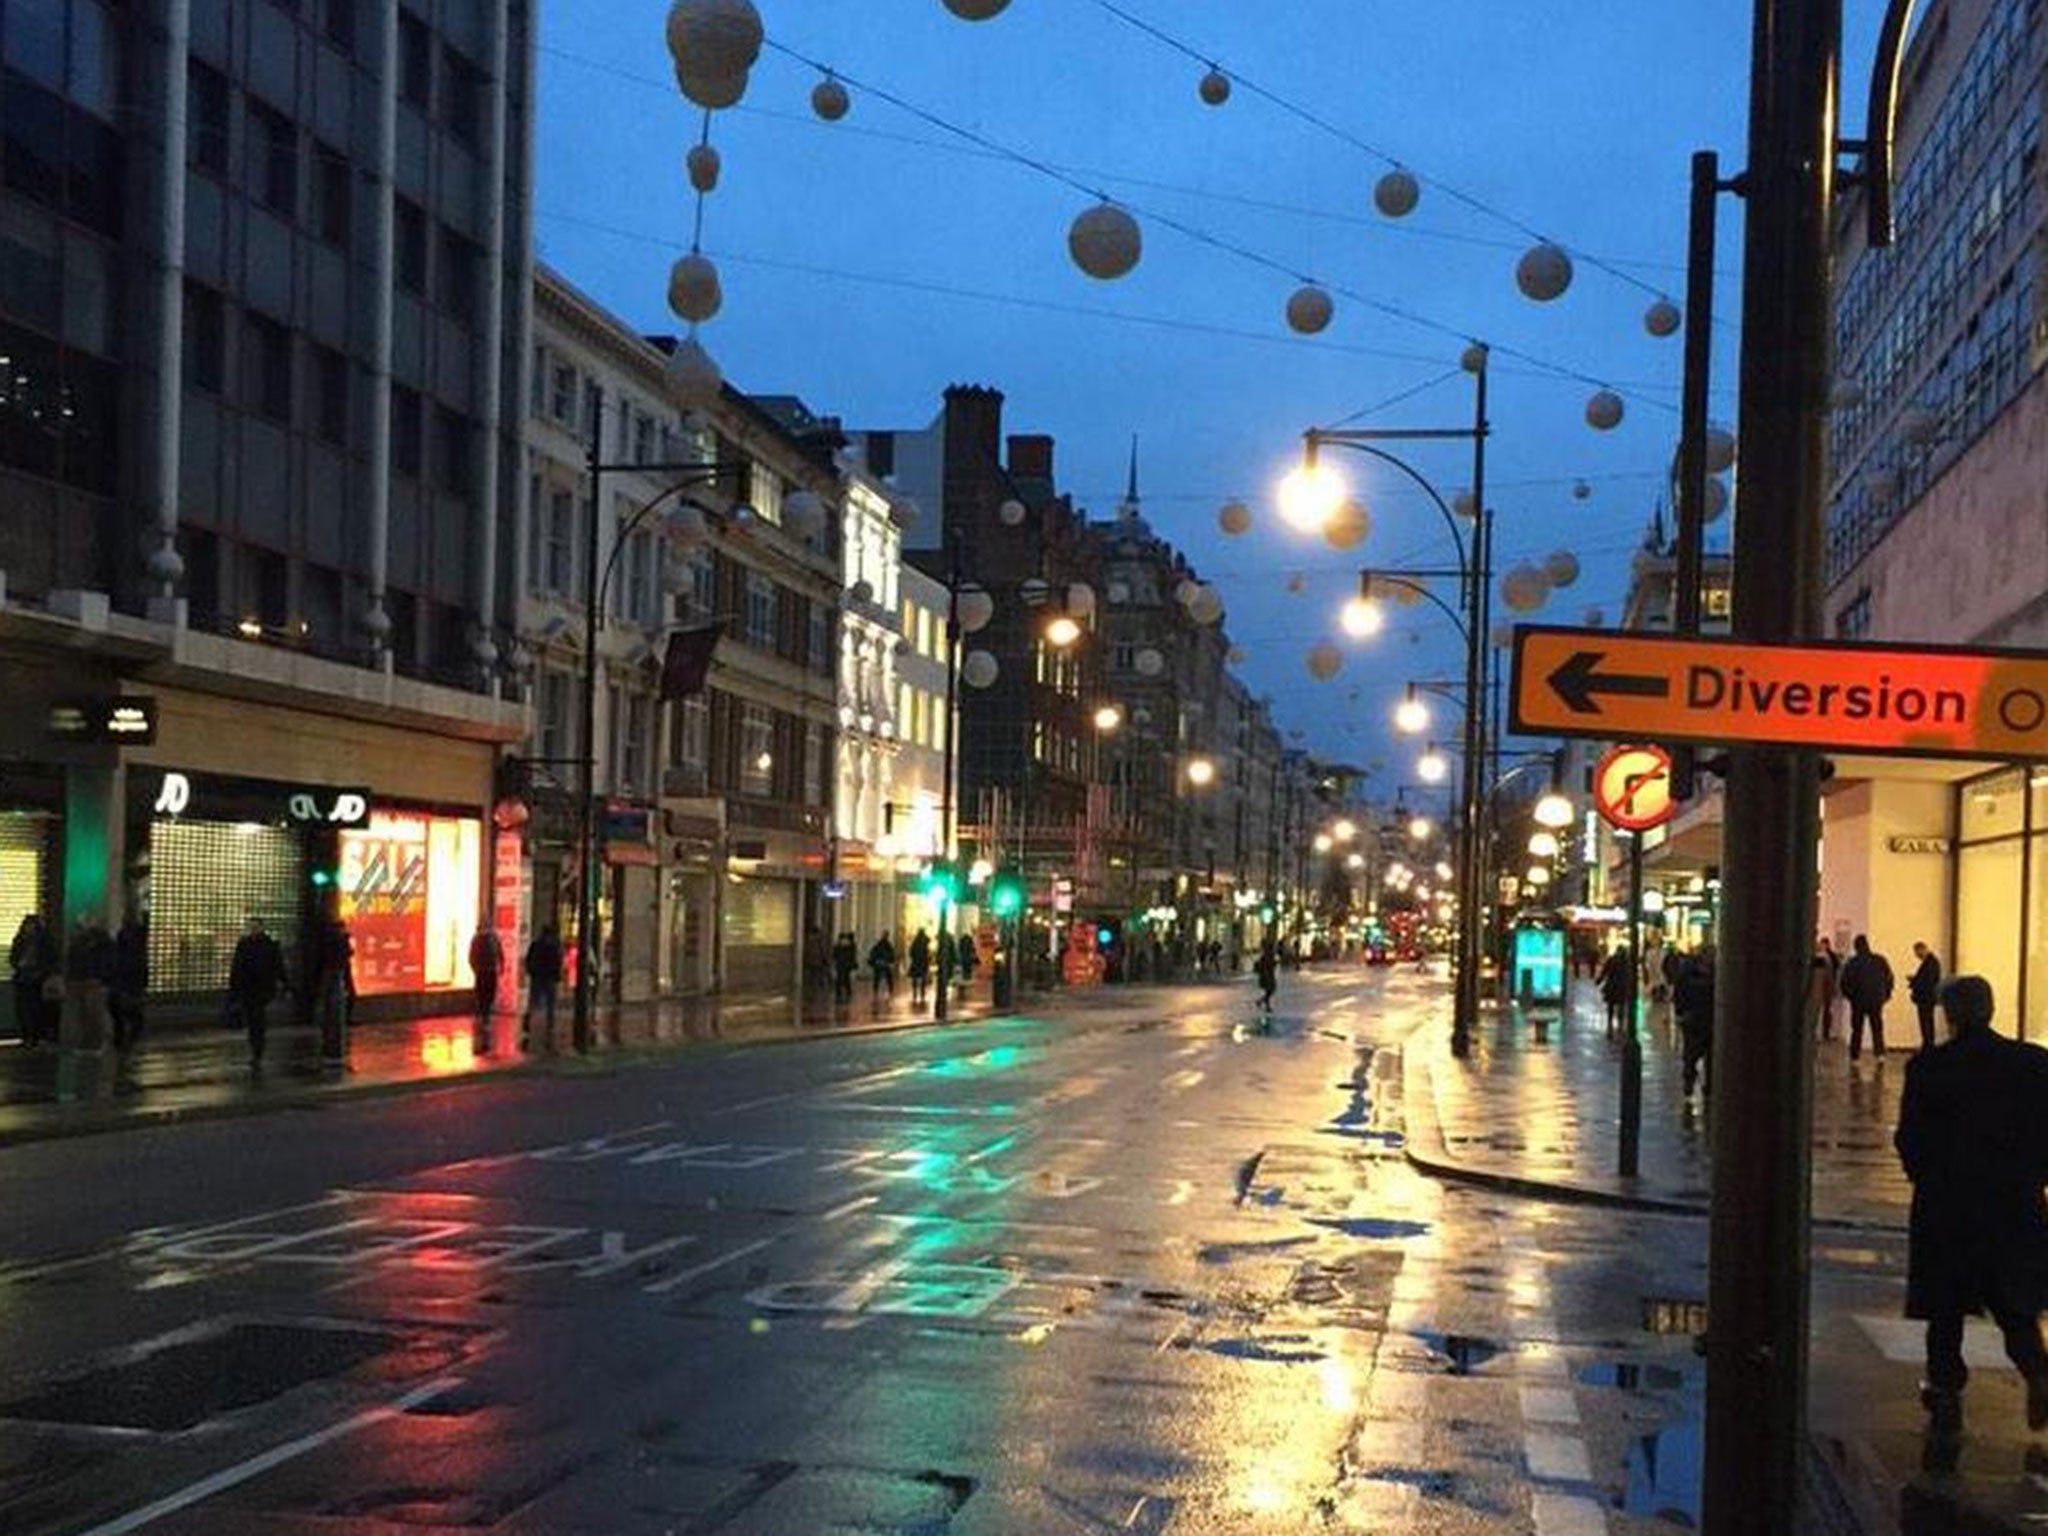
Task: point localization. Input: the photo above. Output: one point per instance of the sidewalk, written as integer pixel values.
(1536, 1108)
(189, 1072)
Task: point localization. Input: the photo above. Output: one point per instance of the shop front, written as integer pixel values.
(2001, 892)
(765, 912)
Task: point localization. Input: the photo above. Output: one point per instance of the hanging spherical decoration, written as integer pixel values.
(1396, 193)
(1309, 309)
(1466, 505)
(976, 609)
(1325, 661)
(979, 670)
(685, 527)
(977, 10)
(742, 518)
(1663, 318)
(702, 163)
(714, 37)
(714, 93)
(1544, 272)
(1011, 513)
(1081, 600)
(1349, 526)
(1215, 87)
(1720, 449)
(1297, 584)
(1105, 242)
(1235, 518)
(1717, 500)
(166, 564)
(695, 382)
(1562, 568)
(803, 514)
(1524, 588)
(694, 292)
(1473, 358)
(830, 100)
(1149, 662)
(1206, 606)
(1581, 491)
(1603, 411)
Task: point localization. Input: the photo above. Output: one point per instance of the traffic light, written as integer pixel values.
(1006, 893)
(324, 877)
(1266, 913)
(941, 884)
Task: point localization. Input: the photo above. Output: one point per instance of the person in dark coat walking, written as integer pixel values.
(1822, 978)
(920, 966)
(33, 957)
(131, 981)
(486, 964)
(845, 961)
(543, 983)
(1614, 986)
(970, 957)
(255, 977)
(1866, 985)
(1267, 969)
(1924, 987)
(882, 968)
(1973, 1136)
(1692, 1001)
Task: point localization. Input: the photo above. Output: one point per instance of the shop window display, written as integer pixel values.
(410, 887)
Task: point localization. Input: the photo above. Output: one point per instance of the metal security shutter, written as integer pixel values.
(207, 879)
(24, 867)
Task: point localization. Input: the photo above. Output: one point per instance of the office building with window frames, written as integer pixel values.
(1938, 521)
(261, 309)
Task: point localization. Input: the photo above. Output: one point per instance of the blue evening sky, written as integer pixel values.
(869, 263)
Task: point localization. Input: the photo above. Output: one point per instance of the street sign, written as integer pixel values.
(1632, 788)
(1926, 701)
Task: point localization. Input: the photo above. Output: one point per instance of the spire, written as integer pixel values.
(1655, 542)
(1129, 511)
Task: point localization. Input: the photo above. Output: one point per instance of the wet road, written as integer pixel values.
(1130, 1268)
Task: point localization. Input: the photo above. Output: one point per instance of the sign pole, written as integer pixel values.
(1632, 1040)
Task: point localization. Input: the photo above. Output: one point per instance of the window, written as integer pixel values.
(410, 241)
(633, 754)
(643, 439)
(593, 408)
(562, 400)
(690, 731)
(454, 468)
(31, 268)
(461, 92)
(207, 107)
(415, 61)
(341, 24)
(757, 750)
(537, 382)
(760, 615)
(557, 734)
(559, 567)
(703, 584)
(267, 368)
(819, 645)
(93, 76)
(33, 41)
(814, 765)
(336, 191)
(206, 350)
(1126, 655)
(274, 159)
(405, 431)
(457, 275)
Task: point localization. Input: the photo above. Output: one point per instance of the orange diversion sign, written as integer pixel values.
(1848, 698)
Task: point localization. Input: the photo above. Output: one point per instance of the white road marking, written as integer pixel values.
(277, 1456)
(1905, 1341)
(1566, 1514)
(1556, 1458)
(148, 1238)
(684, 1277)
(858, 1203)
(1180, 1082)
(1549, 1405)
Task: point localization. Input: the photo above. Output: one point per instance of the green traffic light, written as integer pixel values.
(1006, 894)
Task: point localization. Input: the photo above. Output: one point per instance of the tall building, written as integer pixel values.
(1938, 516)
(262, 326)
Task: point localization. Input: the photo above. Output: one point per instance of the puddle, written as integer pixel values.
(1377, 1228)
(1226, 1253)
(1280, 1349)
(1465, 1353)
(1664, 1475)
(1634, 1376)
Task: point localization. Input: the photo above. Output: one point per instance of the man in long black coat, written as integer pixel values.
(1973, 1135)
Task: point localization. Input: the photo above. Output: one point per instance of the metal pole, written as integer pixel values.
(1757, 1286)
(586, 830)
(1632, 1040)
(1692, 416)
(1465, 993)
(945, 955)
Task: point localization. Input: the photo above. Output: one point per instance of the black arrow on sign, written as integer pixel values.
(1579, 683)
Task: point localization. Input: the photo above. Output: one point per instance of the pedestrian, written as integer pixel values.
(1616, 972)
(130, 983)
(1973, 1136)
(33, 957)
(543, 984)
(1866, 986)
(1924, 988)
(882, 969)
(920, 966)
(1670, 966)
(970, 957)
(255, 976)
(1820, 993)
(1267, 969)
(845, 961)
(486, 964)
(334, 989)
(1692, 1001)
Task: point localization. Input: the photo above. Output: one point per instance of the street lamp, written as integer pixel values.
(1411, 715)
(1108, 718)
(1432, 767)
(1201, 772)
(1444, 871)
(1419, 828)
(1537, 877)
(1344, 829)
(1063, 631)
(1543, 845)
(1309, 494)
(1324, 842)
(1362, 617)
(1555, 811)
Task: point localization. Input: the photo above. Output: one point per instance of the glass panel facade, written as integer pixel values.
(2002, 894)
(411, 887)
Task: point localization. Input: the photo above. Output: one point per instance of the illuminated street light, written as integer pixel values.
(1309, 494)
(1555, 812)
(1201, 772)
(1420, 828)
(1543, 845)
(1344, 829)
(1434, 767)
(1324, 842)
(1108, 718)
(1411, 715)
(1538, 876)
(1363, 618)
(1356, 861)
(1063, 631)
(1444, 871)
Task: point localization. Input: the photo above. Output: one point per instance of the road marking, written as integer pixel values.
(1566, 1514)
(1556, 1458)
(1180, 1082)
(859, 1202)
(277, 1456)
(1549, 1405)
(684, 1277)
(1905, 1341)
(146, 1238)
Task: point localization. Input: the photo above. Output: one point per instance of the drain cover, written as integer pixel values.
(184, 1384)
